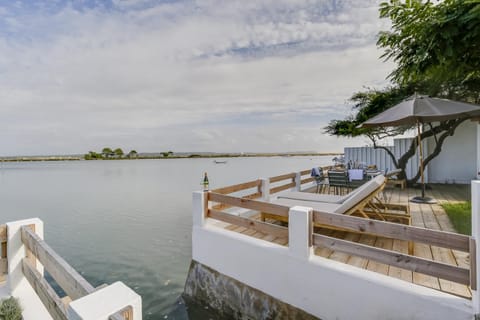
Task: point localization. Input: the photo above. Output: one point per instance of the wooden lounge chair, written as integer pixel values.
(362, 202)
(392, 178)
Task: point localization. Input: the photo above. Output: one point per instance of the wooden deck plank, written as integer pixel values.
(399, 273)
(343, 257)
(359, 261)
(383, 243)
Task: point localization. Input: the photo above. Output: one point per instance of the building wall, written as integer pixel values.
(457, 162)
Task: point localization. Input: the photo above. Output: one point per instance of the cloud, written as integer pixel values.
(188, 75)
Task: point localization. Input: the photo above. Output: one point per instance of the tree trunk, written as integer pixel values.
(444, 129)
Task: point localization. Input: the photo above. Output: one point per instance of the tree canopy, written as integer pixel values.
(436, 48)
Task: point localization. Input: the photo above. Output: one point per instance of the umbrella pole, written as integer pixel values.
(422, 199)
(421, 159)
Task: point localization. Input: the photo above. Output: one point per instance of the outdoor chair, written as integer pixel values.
(392, 178)
(361, 202)
(320, 179)
(338, 180)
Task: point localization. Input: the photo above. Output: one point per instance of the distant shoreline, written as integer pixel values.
(146, 157)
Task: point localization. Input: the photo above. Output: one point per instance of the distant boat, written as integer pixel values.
(219, 161)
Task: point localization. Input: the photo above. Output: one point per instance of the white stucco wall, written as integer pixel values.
(457, 162)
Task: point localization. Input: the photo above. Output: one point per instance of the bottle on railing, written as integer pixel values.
(205, 182)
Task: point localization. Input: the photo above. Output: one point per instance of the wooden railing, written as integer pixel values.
(74, 285)
(399, 232)
(3, 253)
(276, 184)
(390, 230)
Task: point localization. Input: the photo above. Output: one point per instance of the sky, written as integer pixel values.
(205, 75)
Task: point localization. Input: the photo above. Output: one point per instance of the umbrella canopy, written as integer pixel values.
(422, 109)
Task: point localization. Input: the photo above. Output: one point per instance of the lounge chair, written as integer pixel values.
(392, 178)
(362, 202)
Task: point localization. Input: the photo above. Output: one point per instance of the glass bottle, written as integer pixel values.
(205, 182)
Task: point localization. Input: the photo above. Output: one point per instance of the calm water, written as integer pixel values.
(128, 220)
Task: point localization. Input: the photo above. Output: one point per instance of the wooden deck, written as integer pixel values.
(423, 215)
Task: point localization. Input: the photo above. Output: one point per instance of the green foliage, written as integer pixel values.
(460, 215)
(369, 104)
(118, 152)
(132, 154)
(166, 154)
(435, 44)
(10, 309)
(92, 155)
(107, 151)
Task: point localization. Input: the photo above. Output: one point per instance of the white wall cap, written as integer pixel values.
(16, 249)
(105, 302)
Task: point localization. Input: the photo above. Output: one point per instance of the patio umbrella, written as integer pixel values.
(419, 109)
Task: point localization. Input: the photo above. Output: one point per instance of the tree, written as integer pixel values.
(118, 152)
(132, 154)
(107, 152)
(166, 154)
(436, 48)
(435, 45)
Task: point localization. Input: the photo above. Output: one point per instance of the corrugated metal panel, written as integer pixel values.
(369, 155)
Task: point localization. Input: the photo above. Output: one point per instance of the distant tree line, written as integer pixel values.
(108, 153)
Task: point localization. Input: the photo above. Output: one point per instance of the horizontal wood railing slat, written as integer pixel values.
(238, 187)
(249, 204)
(392, 258)
(263, 227)
(394, 230)
(282, 177)
(282, 187)
(67, 277)
(307, 180)
(45, 292)
(3, 250)
(3, 266)
(223, 206)
(305, 172)
(3, 233)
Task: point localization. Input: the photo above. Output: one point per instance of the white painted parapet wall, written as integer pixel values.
(98, 305)
(324, 288)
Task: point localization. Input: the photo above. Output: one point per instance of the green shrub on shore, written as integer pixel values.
(10, 309)
(460, 215)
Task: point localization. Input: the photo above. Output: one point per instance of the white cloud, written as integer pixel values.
(184, 76)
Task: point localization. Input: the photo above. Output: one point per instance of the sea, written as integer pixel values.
(129, 220)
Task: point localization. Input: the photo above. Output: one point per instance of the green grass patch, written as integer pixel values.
(10, 309)
(460, 215)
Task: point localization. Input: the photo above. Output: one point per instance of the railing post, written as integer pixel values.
(17, 251)
(103, 303)
(265, 189)
(476, 237)
(300, 232)
(298, 181)
(199, 202)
